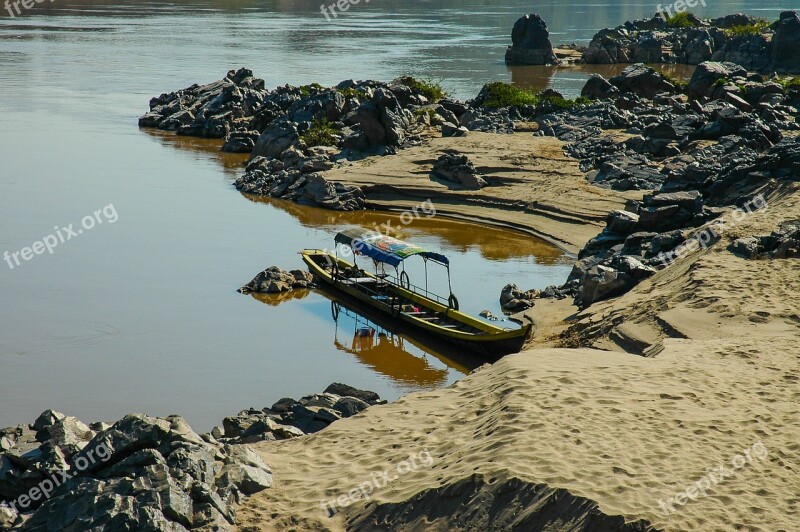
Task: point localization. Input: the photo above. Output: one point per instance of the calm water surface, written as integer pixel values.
(142, 314)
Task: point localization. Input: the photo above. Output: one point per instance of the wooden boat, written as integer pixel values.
(396, 297)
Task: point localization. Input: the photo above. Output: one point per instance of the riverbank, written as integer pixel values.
(638, 436)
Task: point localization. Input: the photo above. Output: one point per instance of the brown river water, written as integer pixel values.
(137, 312)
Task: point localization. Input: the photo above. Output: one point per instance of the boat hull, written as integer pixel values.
(490, 341)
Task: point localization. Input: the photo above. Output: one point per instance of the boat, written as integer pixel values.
(396, 297)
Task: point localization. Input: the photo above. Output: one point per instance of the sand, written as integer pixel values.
(579, 412)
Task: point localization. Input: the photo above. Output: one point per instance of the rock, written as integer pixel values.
(343, 390)
(249, 479)
(531, 43)
(512, 299)
(283, 405)
(8, 517)
(622, 222)
(781, 244)
(785, 43)
(597, 87)
(275, 280)
(708, 73)
(642, 81)
(241, 141)
(350, 406)
(602, 282)
(458, 169)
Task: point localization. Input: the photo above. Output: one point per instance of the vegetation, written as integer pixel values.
(432, 90)
(679, 84)
(757, 28)
(681, 20)
(419, 112)
(351, 92)
(789, 83)
(306, 90)
(500, 94)
(720, 82)
(321, 133)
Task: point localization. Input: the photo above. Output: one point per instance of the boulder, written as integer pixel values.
(343, 390)
(643, 81)
(458, 169)
(708, 73)
(274, 280)
(786, 43)
(597, 87)
(531, 43)
(602, 282)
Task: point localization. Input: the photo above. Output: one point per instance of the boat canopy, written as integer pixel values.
(385, 249)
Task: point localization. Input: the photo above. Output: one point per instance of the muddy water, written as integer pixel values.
(142, 314)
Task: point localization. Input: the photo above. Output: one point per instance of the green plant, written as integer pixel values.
(321, 133)
(678, 83)
(432, 90)
(681, 20)
(419, 112)
(500, 94)
(306, 90)
(720, 82)
(789, 83)
(351, 92)
(745, 30)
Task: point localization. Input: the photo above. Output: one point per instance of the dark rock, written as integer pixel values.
(602, 282)
(531, 43)
(785, 43)
(708, 73)
(597, 87)
(350, 406)
(458, 169)
(642, 80)
(274, 280)
(343, 390)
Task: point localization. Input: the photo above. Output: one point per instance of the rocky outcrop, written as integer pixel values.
(531, 43)
(290, 418)
(141, 473)
(274, 280)
(457, 169)
(707, 74)
(509, 504)
(643, 81)
(211, 110)
(299, 183)
(781, 244)
(653, 41)
(148, 473)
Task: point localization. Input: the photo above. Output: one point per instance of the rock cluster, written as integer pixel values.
(653, 41)
(717, 146)
(289, 418)
(781, 244)
(455, 168)
(212, 110)
(148, 473)
(531, 43)
(274, 280)
(141, 473)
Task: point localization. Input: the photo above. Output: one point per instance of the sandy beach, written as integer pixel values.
(625, 431)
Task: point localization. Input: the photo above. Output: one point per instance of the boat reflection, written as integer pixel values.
(390, 350)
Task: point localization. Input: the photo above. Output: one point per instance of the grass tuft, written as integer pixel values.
(746, 30)
(432, 90)
(500, 94)
(680, 20)
(321, 133)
